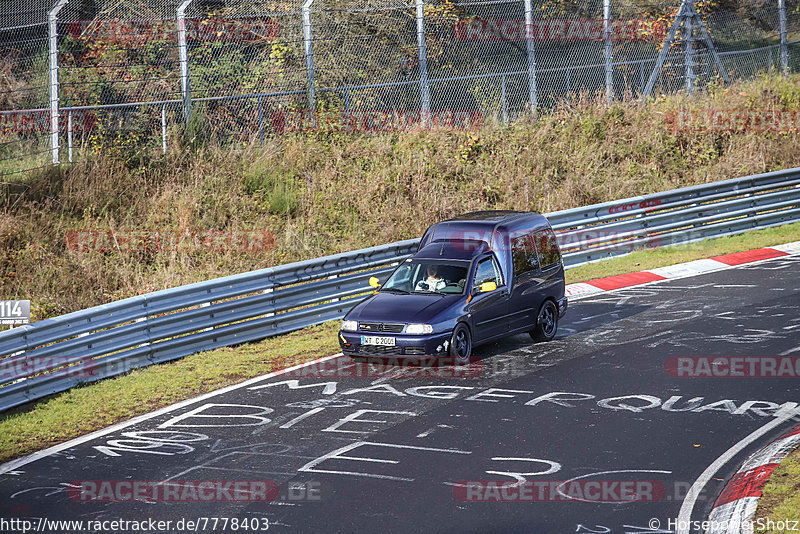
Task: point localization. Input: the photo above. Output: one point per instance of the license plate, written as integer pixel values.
(377, 340)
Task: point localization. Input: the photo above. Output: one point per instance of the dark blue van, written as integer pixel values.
(474, 279)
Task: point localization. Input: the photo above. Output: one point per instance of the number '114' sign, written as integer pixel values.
(15, 311)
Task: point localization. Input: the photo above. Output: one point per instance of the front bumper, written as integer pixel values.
(406, 346)
(562, 306)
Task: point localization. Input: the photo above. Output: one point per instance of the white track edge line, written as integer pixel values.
(19, 462)
(685, 514)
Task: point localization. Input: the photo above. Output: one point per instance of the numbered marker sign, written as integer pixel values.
(15, 312)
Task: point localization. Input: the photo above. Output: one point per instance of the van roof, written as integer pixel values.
(494, 216)
(482, 225)
(457, 249)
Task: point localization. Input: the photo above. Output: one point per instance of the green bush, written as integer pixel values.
(274, 189)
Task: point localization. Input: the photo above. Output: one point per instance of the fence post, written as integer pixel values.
(424, 88)
(505, 101)
(260, 122)
(688, 53)
(641, 76)
(608, 51)
(308, 41)
(52, 33)
(347, 107)
(164, 129)
(183, 56)
(532, 98)
(784, 45)
(69, 135)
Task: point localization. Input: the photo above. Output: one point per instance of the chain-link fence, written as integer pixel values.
(98, 75)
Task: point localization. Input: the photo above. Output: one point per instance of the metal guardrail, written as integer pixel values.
(56, 354)
(679, 216)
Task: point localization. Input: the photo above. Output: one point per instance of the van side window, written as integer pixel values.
(547, 247)
(523, 256)
(487, 271)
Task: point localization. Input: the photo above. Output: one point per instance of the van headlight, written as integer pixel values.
(416, 328)
(349, 326)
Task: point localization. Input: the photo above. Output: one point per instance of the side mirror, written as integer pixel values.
(484, 287)
(374, 282)
(488, 286)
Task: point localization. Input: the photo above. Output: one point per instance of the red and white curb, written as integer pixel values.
(680, 270)
(736, 506)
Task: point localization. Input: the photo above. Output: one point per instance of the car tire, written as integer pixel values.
(546, 322)
(460, 344)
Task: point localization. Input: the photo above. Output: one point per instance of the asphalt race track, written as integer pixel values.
(397, 451)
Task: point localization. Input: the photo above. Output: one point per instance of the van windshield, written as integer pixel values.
(429, 276)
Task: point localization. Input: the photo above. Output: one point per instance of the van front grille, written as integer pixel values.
(391, 328)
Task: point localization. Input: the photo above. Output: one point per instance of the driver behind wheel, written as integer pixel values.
(433, 282)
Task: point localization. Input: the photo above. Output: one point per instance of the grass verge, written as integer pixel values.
(781, 496)
(63, 416)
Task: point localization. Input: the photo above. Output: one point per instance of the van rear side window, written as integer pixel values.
(547, 247)
(523, 257)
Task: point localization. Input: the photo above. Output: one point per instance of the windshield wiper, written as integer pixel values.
(424, 292)
(398, 290)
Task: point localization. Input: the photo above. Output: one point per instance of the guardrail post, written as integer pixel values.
(52, 34)
(269, 290)
(608, 51)
(308, 42)
(531, 53)
(784, 45)
(331, 278)
(211, 315)
(424, 88)
(183, 55)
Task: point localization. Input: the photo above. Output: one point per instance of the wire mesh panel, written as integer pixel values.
(118, 63)
(24, 89)
(366, 56)
(246, 63)
(477, 57)
(123, 72)
(749, 38)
